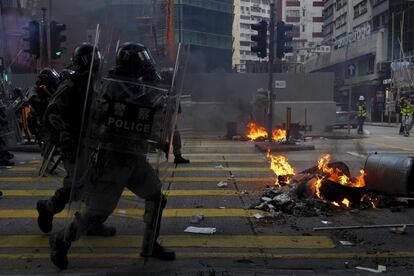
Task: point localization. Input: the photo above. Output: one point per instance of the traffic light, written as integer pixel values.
(283, 37)
(260, 38)
(33, 38)
(56, 39)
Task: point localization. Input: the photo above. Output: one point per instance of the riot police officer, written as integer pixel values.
(361, 112)
(118, 149)
(166, 79)
(63, 119)
(38, 98)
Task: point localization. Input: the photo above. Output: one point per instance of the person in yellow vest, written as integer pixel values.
(407, 112)
(361, 112)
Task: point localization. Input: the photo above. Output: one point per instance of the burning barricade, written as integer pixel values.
(259, 133)
(315, 191)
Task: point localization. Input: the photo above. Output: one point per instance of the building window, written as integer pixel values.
(292, 13)
(340, 21)
(380, 20)
(360, 9)
(340, 3)
(303, 28)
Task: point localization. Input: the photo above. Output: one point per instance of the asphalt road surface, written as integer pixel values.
(242, 245)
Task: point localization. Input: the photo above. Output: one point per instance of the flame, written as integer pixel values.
(346, 202)
(255, 131)
(278, 134)
(335, 203)
(338, 176)
(281, 167)
(359, 180)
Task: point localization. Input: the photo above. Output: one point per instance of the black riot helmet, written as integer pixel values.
(48, 77)
(134, 60)
(82, 58)
(65, 73)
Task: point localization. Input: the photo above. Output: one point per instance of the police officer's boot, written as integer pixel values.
(46, 209)
(180, 160)
(152, 219)
(45, 217)
(59, 250)
(61, 241)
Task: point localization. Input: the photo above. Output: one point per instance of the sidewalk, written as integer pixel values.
(384, 124)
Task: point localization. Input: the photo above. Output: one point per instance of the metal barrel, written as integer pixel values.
(390, 175)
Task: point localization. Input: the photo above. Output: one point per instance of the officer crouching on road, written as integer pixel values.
(361, 112)
(116, 161)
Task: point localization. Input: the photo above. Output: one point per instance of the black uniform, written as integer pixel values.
(63, 119)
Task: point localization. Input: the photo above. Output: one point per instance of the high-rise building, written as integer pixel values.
(207, 26)
(357, 33)
(246, 13)
(307, 20)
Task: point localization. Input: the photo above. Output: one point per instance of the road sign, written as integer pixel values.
(280, 84)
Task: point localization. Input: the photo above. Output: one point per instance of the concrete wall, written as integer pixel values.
(231, 88)
(221, 98)
(212, 117)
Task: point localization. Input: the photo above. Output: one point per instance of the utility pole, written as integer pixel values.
(270, 65)
(44, 55)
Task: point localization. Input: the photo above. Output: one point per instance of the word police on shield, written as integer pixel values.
(280, 84)
(129, 117)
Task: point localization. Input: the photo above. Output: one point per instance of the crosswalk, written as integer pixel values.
(192, 189)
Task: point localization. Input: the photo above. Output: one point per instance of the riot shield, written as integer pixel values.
(10, 133)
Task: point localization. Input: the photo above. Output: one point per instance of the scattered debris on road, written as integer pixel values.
(380, 269)
(200, 230)
(197, 218)
(346, 243)
(399, 230)
(222, 184)
(372, 226)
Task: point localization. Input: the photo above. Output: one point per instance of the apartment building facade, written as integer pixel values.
(307, 20)
(357, 32)
(246, 13)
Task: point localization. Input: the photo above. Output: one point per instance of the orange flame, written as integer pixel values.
(338, 176)
(255, 131)
(335, 203)
(346, 202)
(278, 134)
(281, 167)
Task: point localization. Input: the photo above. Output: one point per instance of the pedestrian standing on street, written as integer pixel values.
(407, 112)
(361, 112)
(63, 119)
(115, 154)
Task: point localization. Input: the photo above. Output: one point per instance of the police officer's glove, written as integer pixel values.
(67, 146)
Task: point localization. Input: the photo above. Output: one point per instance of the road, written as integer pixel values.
(242, 244)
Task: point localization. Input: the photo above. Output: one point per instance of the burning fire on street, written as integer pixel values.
(314, 191)
(256, 132)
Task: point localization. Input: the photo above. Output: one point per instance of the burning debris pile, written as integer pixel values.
(259, 133)
(315, 191)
